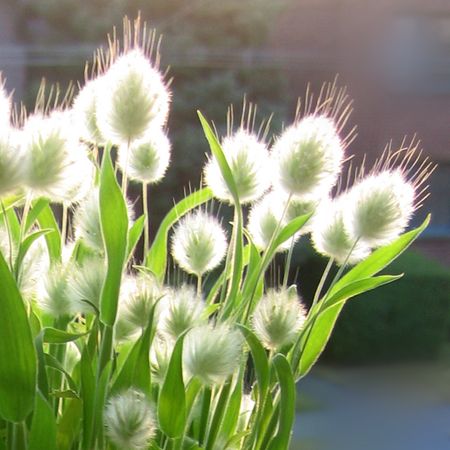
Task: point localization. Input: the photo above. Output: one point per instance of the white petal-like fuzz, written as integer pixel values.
(265, 218)
(379, 207)
(11, 162)
(249, 162)
(56, 165)
(131, 99)
(129, 420)
(146, 159)
(278, 317)
(212, 354)
(198, 243)
(307, 157)
(5, 108)
(331, 237)
(85, 112)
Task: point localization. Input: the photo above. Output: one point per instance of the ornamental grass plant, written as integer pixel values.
(193, 346)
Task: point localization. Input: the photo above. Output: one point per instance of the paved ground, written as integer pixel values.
(394, 408)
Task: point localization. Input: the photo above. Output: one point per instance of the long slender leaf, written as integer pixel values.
(47, 221)
(134, 235)
(114, 225)
(172, 420)
(56, 336)
(43, 426)
(18, 360)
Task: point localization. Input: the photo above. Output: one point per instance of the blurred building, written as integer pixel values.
(395, 58)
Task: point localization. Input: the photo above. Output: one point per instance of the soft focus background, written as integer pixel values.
(384, 382)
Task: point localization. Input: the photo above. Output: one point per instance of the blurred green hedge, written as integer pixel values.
(407, 320)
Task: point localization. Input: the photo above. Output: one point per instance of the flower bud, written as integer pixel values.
(278, 318)
(331, 237)
(129, 420)
(379, 208)
(212, 354)
(307, 157)
(132, 99)
(199, 243)
(146, 159)
(249, 163)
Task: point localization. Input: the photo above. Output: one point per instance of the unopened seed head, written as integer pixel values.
(249, 161)
(146, 159)
(265, 218)
(379, 207)
(181, 309)
(307, 157)
(198, 243)
(278, 318)
(129, 420)
(131, 99)
(331, 237)
(212, 354)
(160, 354)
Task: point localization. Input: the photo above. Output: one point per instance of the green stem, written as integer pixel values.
(147, 218)
(287, 266)
(26, 210)
(199, 285)
(322, 281)
(125, 172)
(64, 225)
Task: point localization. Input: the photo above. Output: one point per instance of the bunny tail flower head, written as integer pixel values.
(199, 243)
(279, 317)
(308, 156)
(129, 420)
(380, 207)
(249, 162)
(181, 309)
(56, 165)
(146, 160)
(331, 237)
(265, 217)
(212, 354)
(85, 112)
(132, 99)
(11, 162)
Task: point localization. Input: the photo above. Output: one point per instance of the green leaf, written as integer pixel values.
(56, 336)
(43, 426)
(237, 262)
(18, 360)
(134, 235)
(69, 424)
(114, 224)
(380, 258)
(287, 403)
(172, 419)
(259, 360)
(156, 258)
(358, 287)
(47, 221)
(52, 362)
(314, 340)
(88, 396)
(35, 210)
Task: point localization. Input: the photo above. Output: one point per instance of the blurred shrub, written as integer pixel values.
(406, 320)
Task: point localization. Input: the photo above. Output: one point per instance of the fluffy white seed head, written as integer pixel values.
(85, 113)
(129, 420)
(85, 284)
(278, 317)
(181, 309)
(139, 294)
(307, 157)
(5, 108)
(265, 218)
(56, 165)
(249, 162)
(131, 99)
(299, 206)
(146, 159)
(379, 208)
(53, 296)
(212, 354)
(11, 161)
(331, 237)
(198, 243)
